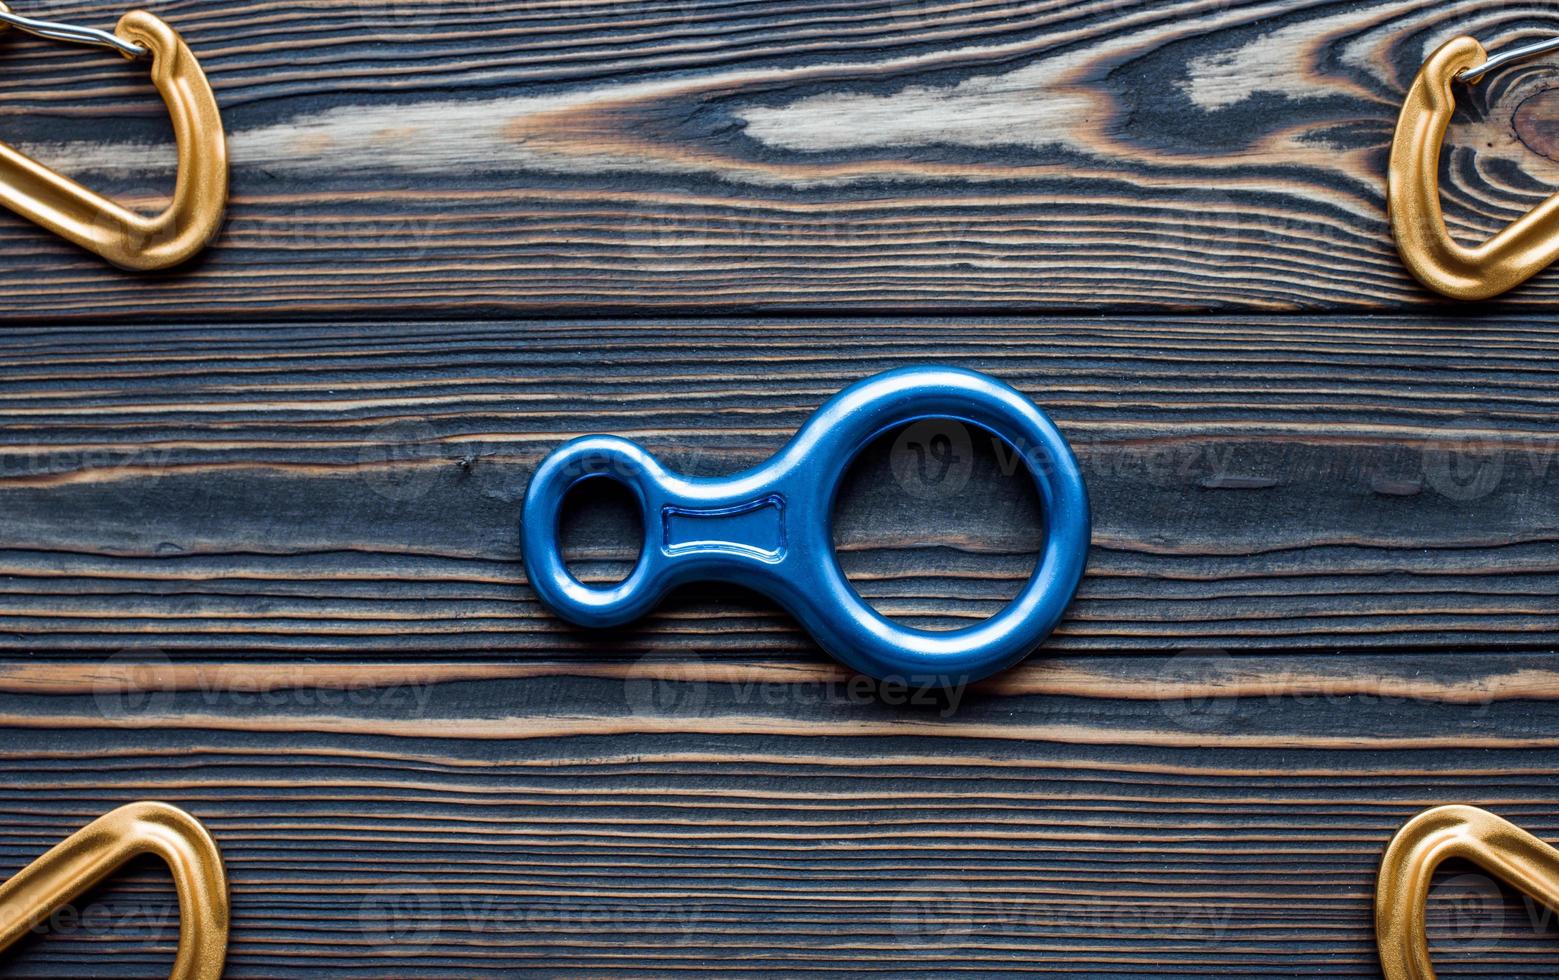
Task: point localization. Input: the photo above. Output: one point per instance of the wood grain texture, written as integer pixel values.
(1099, 817)
(472, 158)
(259, 517)
(344, 490)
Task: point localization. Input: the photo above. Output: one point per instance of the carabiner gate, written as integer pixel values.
(70, 33)
(1534, 50)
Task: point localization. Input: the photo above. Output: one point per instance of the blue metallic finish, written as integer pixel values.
(771, 528)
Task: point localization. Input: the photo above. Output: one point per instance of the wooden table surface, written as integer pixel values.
(259, 516)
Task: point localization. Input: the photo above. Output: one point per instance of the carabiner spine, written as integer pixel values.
(95, 851)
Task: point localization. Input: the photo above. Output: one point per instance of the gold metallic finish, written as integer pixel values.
(95, 851)
(1435, 836)
(1413, 195)
(123, 237)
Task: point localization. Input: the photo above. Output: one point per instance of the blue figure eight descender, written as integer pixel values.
(771, 528)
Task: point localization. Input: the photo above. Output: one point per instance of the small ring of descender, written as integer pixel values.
(770, 528)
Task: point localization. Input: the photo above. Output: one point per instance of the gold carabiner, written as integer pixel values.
(93, 853)
(1423, 843)
(1413, 187)
(123, 237)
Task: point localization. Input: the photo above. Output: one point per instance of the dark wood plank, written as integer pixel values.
(1094, 817)
(348, 490)
(480, 157)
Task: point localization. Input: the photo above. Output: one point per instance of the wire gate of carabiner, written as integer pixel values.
(71, 33)
(1496, 62)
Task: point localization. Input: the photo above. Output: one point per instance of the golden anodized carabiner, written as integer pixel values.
(123, 237)
(1434, 836)
(1413, 186)
(94, 852)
